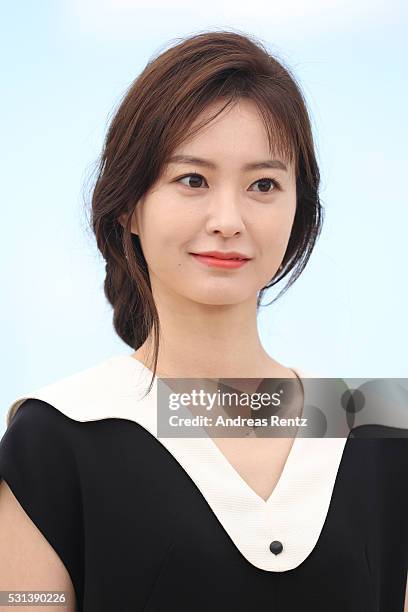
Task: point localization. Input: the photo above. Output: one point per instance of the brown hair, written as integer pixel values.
(153, 118)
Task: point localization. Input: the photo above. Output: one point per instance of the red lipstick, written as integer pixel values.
(219, 259)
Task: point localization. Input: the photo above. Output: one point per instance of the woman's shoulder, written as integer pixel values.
(111, 388)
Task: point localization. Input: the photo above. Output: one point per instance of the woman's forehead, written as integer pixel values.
(238, 133)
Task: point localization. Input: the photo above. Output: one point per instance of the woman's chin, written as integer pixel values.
(224, 298)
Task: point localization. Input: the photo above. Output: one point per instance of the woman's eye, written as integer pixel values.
(265, 184)
(194, 180)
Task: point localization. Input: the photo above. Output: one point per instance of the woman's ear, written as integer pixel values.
(123, 220)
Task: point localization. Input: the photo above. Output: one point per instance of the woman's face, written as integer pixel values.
(222, 206)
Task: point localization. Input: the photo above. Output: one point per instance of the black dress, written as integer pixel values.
(149, 524)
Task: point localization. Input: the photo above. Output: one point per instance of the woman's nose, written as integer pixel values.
(225, 215)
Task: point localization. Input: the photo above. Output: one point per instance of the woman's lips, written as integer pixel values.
(220, 263)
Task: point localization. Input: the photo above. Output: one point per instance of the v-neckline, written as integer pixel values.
(295, 511)
(225, 467)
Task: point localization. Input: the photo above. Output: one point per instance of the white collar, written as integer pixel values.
(295, 512)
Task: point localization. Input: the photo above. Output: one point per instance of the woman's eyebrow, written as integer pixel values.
(189, 159)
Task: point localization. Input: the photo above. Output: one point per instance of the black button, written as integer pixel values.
(276, 547)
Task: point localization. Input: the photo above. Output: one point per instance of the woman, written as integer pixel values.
(207, 194)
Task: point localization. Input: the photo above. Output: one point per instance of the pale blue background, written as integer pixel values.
(65, 66)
